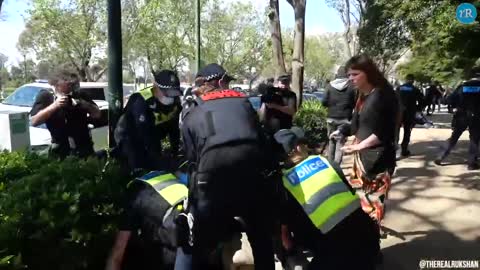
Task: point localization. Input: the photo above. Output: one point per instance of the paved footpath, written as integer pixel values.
(432, 212)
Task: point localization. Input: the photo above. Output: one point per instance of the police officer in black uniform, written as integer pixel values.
(66, 113)
(412, 101)
(222, 138)
(466, 100)
(147, 236)
(150, 115)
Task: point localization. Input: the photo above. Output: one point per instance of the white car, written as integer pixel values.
(22, 99)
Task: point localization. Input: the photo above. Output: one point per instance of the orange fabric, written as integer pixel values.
(221, 94)
(372, 192)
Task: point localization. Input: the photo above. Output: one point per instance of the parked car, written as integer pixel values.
(319, 95)
(309, 97)
(22, 99)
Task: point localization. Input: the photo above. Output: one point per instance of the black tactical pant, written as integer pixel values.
(408, 122)
(228, 184)
(460, 123)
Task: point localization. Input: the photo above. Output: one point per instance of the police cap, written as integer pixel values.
(289, 138)
(214, 72)
(168, 83)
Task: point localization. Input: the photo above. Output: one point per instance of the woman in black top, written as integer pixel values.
(373, 124)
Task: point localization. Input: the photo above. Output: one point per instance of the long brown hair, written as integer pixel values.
(364, 63)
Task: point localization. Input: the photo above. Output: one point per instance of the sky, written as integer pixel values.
(319, 19)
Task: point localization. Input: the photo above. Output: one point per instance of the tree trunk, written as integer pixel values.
(298, 47)
(276, 35)
(1, 3)
(348, 28)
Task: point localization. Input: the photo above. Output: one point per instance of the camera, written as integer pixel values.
(270, 94)
(71, 101)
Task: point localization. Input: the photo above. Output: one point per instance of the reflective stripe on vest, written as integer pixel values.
(160, 118)
(166, 185)
(325, 198)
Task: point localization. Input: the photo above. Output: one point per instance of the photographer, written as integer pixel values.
(279, 105)
(66, 114)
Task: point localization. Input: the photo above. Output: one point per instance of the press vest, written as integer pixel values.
(166, 185)
(160, 118)
(324, 197)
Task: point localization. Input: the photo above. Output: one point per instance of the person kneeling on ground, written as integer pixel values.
(322, 212)
(147, 238)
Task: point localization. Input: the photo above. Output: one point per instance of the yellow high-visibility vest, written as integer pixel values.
(166, 185)
(325, 198)
(160, 118)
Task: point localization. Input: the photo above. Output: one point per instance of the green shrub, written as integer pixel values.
(62, 215)
(17, 164)
(312, 117)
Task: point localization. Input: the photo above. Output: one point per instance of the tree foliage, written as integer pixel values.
(442, 48)
(322, 55)
(233, 36)
(382, 35)
(70, 31)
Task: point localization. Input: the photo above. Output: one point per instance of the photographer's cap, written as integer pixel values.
(288, 138)
(168, 83)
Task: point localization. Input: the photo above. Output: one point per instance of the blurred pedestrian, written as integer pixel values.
(340, 101)
(432, 97)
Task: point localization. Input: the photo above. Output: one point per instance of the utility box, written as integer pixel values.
(14, 131)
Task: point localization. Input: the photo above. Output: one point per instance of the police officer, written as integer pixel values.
(146, 239)
(223, 140)
(321, 211)
(150, 115)
(466, 100)
(412, 100)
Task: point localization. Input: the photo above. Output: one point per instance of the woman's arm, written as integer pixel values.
(371, 141)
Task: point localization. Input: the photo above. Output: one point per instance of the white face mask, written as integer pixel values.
(166, 100)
